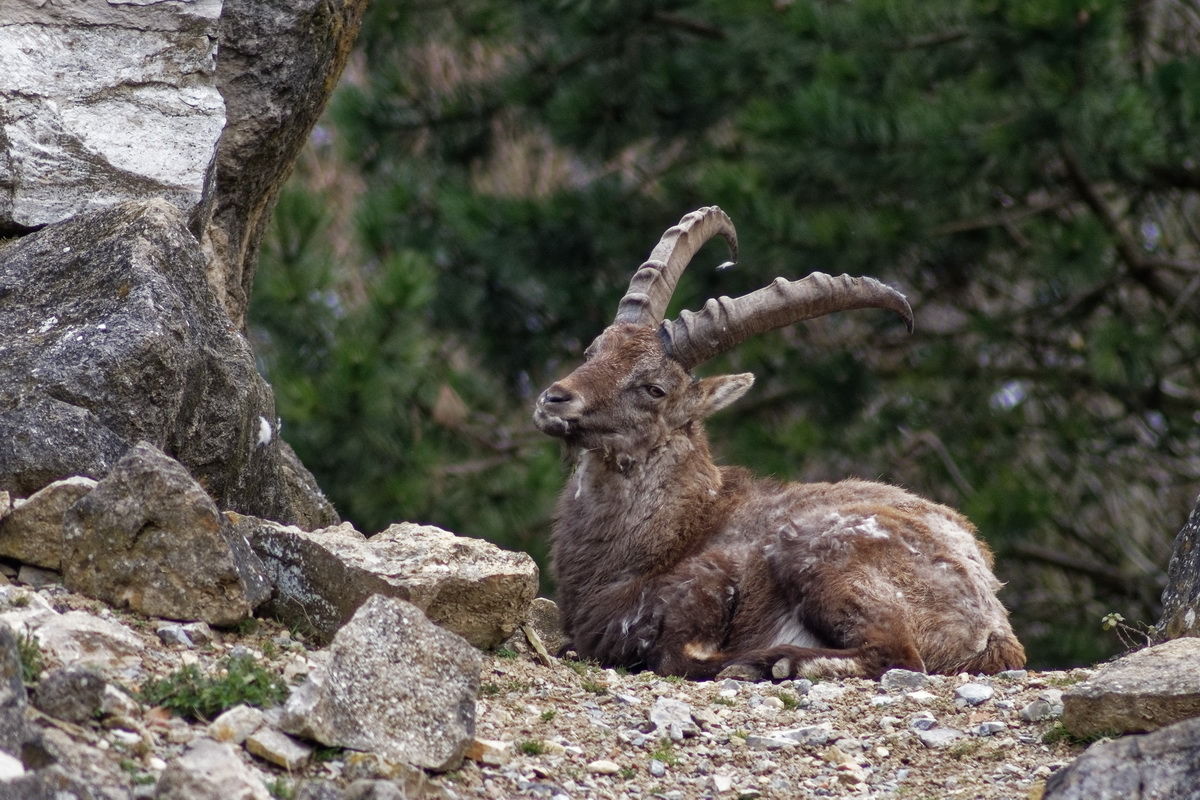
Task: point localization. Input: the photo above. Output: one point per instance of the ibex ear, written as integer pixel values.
(713, 394)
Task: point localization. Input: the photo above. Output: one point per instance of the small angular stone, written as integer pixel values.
(903, 680)
(279, 749)
(973, 694)
(604, 767)
(491, 752)
(937, 738)
(236, 724)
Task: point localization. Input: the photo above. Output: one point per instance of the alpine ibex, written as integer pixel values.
(666, 561)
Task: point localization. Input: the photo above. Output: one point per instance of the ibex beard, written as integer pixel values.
(665, 561)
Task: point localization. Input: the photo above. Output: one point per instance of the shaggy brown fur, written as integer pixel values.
(665, 561)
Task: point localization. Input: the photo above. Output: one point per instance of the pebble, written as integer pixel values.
(973, 694)
(657, 768)
(936, 738)
(989, 728)
(903, 680)
(604, 767)
(922, 721)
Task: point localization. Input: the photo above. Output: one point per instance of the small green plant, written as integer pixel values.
(740, 733)
(549, 715)
(269, 649)
(193, 694)
(964, 749)
(664, 751)
(30, 654)
(1131, 636)
(593, 687)
(723, 701)
(582, 668)
(137, 775)
(323, 755)
(627, 774)
(490, 689)
(281, 788)
(675, 679)
(1058, 733)
(20, 601)
(246, 627)
(789, 700)
(532, 747)
(504, 652)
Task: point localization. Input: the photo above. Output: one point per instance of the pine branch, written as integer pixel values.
(932, 39)
(695, 27)
(1140, 269)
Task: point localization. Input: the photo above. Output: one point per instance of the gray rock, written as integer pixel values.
(109, 336)
(1181, 596)
(32, 533)
(1141, 692)
(990, 728)
(673, 718)
(149, 539)
(903, 680)
(81, 639)
(364, 789)
(209, 771)
(82, 766)
(120, 103)
(468, 586)
(1048, 705)
(936, 738)
(279, 749)
(973, 694)
(922, 721)
(173, 633)
(52, 783)
(1164, 764)
(73, 693)
(396, 685)
(277, 64)
(13, 698)
(543, 616)
(235, 724)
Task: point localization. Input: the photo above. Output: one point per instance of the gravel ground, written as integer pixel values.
(574, 730)
(942, 736)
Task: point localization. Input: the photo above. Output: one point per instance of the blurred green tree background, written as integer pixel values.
(491, 173)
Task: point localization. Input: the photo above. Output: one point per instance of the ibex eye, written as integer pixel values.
(655, 391)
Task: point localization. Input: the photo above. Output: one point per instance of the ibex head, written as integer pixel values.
(636, 387)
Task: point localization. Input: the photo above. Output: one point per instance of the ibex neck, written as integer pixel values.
(638, 517)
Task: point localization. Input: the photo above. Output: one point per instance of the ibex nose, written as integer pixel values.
(557, 394)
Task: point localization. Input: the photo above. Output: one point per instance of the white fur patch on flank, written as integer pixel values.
(841, 525)
(792, 632)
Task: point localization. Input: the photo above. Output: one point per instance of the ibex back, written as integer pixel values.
(665, 561)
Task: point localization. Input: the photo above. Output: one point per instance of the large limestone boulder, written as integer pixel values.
(1163, 764)
(109, 336)
(104, 102)
(277, 64)
(1181, 597)
(32, 532)
(149, 539)
(468, 586)
(396, 685)
(1141, 692)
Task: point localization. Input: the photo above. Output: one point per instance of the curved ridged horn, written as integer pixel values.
(645, 301)
(726, 322)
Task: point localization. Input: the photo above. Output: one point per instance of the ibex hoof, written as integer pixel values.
(740, 672)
